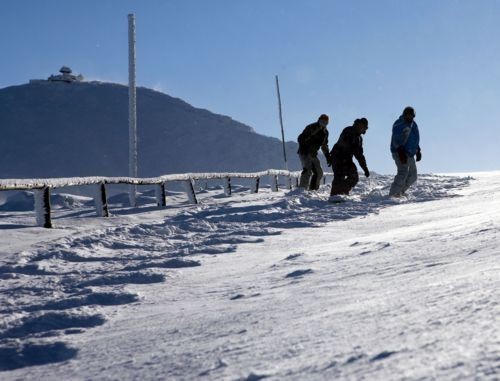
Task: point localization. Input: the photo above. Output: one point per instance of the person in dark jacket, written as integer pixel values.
(405, 149)
(350, 144)
(314, 137)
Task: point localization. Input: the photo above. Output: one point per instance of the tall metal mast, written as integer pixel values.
(132, 107)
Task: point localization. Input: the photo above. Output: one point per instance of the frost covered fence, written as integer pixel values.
(42, 187)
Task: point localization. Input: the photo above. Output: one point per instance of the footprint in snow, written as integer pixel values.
(379, 246)
(254, 377)
(382, 355)
(299, 273)
(30, 269)
(237, 296)
(293, 257)
(354, 358)
(24, 355)
(241, 296)
(174, 263)
(52, 321)
(287, 261)
(96, 298)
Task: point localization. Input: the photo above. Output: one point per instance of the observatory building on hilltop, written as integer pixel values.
(65, 76)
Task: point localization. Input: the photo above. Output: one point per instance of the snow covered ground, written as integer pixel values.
(271, 285)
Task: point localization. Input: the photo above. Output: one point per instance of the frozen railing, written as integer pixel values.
(42, 187)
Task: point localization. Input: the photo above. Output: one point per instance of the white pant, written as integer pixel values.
(406, 176)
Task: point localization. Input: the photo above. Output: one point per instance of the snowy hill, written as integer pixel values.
(274, 285)
(58, 129)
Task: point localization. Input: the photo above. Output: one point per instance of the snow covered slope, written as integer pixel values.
(56, 129)
(270, 285)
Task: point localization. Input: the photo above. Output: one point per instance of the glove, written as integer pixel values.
(402, 155)
(367, 172)
(419, 155)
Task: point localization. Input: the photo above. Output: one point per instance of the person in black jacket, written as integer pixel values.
(350, 144)
(314, 137)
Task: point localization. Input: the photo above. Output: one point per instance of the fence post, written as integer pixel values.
(227, 186)
(289, 182)
(188, 186)
(160, 194)
(274, 183)
(42, 207)
(101, 200)
(256, 185)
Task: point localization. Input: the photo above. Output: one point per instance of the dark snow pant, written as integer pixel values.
(345, 176)
(311, 173)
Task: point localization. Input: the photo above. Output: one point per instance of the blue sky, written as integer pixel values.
(344, 58)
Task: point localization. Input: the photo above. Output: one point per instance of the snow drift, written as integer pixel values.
(270, 285)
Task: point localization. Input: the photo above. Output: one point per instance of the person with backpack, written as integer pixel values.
(314, 137)
(349, 145)
(405, 149)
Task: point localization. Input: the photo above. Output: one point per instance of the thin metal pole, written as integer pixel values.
(132, 107)
(281, 122)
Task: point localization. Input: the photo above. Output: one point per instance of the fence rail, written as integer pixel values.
(42, 187)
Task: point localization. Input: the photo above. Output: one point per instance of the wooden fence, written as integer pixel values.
(42, 187)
